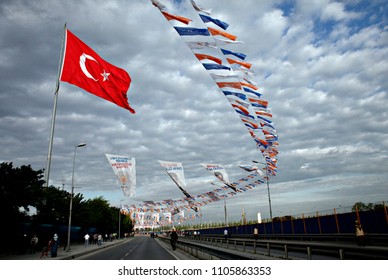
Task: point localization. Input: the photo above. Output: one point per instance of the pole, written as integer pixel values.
(51, 138)
(119, 222)
(336, 221)
(121, 201)
(226, 215)
(71, 198)
(269, 195)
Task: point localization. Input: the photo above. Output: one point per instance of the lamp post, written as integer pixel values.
(225, 213)
(71, 197)
(120, 218)
(269, 195)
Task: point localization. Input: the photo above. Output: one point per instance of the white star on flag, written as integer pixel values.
(105, 75)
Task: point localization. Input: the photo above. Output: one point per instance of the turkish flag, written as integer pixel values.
(84, 68)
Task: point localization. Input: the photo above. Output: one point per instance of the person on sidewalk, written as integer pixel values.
(256, 233)
(95, 239)
(99, 240)
(33, 243)
(360, 234)
(54, 246)
(86, 237)
(173, 238)
(46, 249)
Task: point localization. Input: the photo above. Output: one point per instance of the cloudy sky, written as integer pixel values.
(322, 65)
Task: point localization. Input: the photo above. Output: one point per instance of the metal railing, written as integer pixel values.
(371, 239)
(245, 248)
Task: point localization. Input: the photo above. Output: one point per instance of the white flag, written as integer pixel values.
(176, 173)
(219, 171)
(125, 169)
(252, 168)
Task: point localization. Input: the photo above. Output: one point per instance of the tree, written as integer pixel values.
(20, 189)
(363, 207)
(126, 224)
(99, 214)
(367, 207)
(52, 207)
(378, 206)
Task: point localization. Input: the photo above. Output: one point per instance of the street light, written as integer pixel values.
(269, 195)
(120, 218)
(225, 213)
(71, 197)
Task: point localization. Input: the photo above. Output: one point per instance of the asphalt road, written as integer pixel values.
(138, 248)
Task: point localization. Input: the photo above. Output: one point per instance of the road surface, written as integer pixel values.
(141, 247)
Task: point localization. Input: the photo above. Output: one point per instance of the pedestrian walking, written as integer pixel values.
(86, 237)
(360, 234)
(33, 243)
(173, 238)
(46, 248)
(54, 246)
(95, 239)
(99, 240)
(255, 233)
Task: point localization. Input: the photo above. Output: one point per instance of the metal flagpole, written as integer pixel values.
(267, 179)
(47, 171)
(225, 213)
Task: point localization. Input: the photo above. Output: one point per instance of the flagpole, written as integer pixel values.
(47, 171)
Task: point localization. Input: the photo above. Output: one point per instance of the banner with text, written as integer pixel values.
(125, 169)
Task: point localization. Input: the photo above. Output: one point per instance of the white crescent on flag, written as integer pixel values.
(82, 64)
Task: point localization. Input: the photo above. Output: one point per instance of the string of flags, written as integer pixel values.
(216, 50)
(166, 211)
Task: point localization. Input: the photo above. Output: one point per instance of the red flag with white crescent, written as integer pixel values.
(84, 68)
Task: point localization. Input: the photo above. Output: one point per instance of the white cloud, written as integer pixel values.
(336, 11)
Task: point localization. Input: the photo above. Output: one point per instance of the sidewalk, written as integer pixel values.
(75, 251)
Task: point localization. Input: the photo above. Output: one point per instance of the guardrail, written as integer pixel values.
(205, 251)
(371, 239)
(244, 248)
